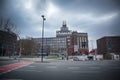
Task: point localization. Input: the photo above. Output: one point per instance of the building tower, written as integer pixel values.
(64, 31)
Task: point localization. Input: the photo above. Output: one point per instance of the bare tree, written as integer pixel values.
(7, 25)
(28, 46)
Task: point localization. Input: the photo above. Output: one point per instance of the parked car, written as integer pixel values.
(75, 58)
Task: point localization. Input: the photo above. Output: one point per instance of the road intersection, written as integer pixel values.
(66, 70)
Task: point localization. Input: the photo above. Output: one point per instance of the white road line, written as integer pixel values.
(31, 66)
(29, 70)
(114, 67)
(94, 67)
(51, 67)
(85, 72)
(11, 79)
(73, 68)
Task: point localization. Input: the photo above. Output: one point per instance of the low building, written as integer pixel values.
(108, 45)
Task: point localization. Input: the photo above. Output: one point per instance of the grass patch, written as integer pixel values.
(52, 57)
(27, 56)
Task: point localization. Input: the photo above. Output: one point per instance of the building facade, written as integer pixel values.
(52, 45)
(77, 43)
(66, 42)
(7, 42)
(64, 31)
(108, 44)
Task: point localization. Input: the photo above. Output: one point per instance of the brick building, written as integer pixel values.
(108, 44)
(7, 42)
(76, 42)
(66, 41)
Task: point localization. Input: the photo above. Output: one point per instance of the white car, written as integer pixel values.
(75, 58)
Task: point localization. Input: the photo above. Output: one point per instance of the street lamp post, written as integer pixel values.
(19, 55)
(2, 51)
(42, 36)
(19, 46)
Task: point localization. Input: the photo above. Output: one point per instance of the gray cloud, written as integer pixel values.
(98, 6)
(97, 17)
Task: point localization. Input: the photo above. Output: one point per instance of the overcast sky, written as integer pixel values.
(96, 17)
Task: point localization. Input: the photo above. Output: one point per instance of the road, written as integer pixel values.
(66, 70)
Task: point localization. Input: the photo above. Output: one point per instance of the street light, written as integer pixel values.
(2, 51)
(19, 46)
(42, 36)
(19, 49)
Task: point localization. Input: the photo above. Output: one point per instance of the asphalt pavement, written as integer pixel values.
(6, 61)
(66, 70)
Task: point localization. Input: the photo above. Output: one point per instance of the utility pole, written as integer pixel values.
(92, 45)
(42, 36)
(2, 50)
(19, 46)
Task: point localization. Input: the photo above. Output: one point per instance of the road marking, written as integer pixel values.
(31, 66)
(10, 67)
(11, 79)
(73, 68)
(85, 72)
(94, 67)
(114, 67)
(30, 70)
(51, 67)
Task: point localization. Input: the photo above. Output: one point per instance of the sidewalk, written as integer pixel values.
(5, 58)
(38, 59)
